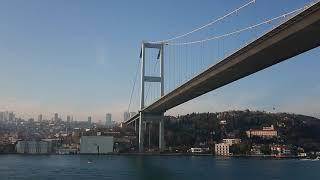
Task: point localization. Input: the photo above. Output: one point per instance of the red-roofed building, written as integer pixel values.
(265, 132)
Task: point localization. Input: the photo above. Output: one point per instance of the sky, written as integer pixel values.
(79, 57)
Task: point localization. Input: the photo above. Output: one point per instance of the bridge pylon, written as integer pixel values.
(155, 79)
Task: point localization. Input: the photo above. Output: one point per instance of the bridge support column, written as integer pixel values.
(136, 126)
(150, 79)
(161, 134)
(149, 134)
(141, 133)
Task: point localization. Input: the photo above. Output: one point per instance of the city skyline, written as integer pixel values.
(58, 65)
(12, 116)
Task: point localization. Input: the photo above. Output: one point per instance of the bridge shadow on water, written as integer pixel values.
(124, 167)
(157, 167)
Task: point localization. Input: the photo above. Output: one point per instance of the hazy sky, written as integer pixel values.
(79, 57)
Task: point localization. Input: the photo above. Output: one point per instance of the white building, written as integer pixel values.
(33, 147)
(199, 150)
(265, 132)
(223, 122)
(96, 144)
(231, 141)
(222, 149)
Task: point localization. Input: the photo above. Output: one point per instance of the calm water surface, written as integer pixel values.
(153, 168)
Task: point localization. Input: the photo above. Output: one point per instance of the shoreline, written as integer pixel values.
(168, 154)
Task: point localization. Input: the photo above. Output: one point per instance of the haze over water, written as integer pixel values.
(153, 167)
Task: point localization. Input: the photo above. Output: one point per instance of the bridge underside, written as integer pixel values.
(292, 38)
(297, 35)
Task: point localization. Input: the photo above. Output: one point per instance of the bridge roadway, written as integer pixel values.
(293, 37)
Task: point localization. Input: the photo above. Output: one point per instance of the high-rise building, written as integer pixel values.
(1, 116)
(56, 117)
(12, 116)
(108, 119)
(68, 119)
(6, 116)
(40, 117)
(89, 120)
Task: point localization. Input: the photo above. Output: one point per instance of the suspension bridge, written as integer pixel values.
(187, 68)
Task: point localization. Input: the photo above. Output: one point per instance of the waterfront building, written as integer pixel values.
(96, 144)
(222, 149)
(265, 132)
(69, 148)
(256, 150)
(302, 154)
(8, 138)
(199, 150)
(66, 151)
(280, 150)
(33, 147)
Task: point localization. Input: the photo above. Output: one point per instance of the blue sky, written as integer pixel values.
(79, 57)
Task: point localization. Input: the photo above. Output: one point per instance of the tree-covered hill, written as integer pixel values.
(204, 128)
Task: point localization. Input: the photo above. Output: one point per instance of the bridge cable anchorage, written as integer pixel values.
(237, 31)
(133, 86)
(206, 25)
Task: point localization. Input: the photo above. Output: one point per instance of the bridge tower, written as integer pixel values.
(145, 117)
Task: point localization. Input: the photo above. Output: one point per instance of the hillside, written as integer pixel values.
(205, 128)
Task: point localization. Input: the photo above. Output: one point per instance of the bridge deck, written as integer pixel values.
(295, 36)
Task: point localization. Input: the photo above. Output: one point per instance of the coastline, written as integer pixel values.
(170, 154)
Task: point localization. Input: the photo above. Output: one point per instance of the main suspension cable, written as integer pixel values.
(237, 31)
(206, 25)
